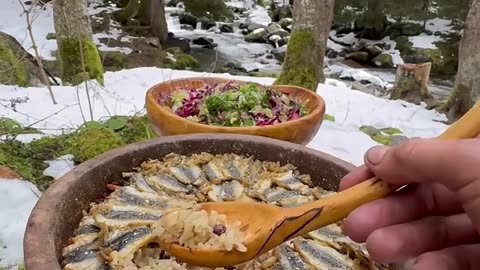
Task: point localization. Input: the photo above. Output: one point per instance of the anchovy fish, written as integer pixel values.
(215, 171)
(168, 183)
(123, 216)
(141, 183)
(83, 254)
(186, 175)
(124, 242)
(291, 182)
(322, 257)
(227, 191)
(288, 259)
(131, 196)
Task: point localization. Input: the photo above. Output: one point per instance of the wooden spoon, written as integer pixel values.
(266, 226)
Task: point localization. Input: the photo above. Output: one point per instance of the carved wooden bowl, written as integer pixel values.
(59, 210)
(165, 122)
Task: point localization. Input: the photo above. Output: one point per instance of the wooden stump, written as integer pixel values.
(411, 83)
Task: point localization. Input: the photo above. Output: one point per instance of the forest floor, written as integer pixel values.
(355, 120)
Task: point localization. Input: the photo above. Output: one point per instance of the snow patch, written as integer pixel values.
(17, 199)
(425, 41)
(361, 75)
(59, 166)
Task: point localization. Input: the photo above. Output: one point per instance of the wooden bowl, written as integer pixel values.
(165, 122)
(59, 210)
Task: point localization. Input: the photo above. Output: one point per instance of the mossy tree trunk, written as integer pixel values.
(158, 20)
(411, 83)
(467, 83)
(77, 52)
(303, 65)
(131, 10)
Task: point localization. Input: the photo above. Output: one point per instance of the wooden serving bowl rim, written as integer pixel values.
(152, 93)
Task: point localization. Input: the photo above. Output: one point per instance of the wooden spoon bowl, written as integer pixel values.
(165, 122)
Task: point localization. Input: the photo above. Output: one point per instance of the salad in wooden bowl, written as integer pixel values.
(217, 105)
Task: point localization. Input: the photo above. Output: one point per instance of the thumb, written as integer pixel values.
(454, 164)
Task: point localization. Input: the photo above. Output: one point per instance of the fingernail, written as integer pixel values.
(375, 155)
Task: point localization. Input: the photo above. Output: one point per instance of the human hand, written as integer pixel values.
(435, 221)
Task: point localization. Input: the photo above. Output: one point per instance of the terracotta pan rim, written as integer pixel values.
(38, 235)
(319, 110)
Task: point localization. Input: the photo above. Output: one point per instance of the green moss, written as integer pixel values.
(296, 70)
(329, 117)
(11, 127)
(382, 139)
(391, 131)
(51, 36)
(404, 85)
(12, 69)
(71, 60)
(125, 14)
(137, 129)
(91, 142)
(403, 44)
(28, 160)
(186, 61)
(114, 61)
(174, 50)
(382, 136)
(384, 60)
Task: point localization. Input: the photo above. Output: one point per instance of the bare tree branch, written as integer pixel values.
(35, 48)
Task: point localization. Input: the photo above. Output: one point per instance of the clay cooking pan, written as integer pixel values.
(59, 210)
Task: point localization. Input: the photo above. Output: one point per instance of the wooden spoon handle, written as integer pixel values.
(336, 207)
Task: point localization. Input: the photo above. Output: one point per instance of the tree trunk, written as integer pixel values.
(303, 65)
(158, 20)
(467, 88)
(77, 52)
(144, 14)
(373, 20)
(124, 15)
(411, 83)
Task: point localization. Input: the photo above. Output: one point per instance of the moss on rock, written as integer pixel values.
(28, 160)
(186, 61)
(114, 61)
(71, 65)
(295, 71)
(12, 70)
(383, 60)
(403, 44)
(91, 142)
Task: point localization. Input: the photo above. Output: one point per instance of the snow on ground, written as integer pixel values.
(439, 25)
(59, 167)
(424, 41)
(17, 198)
(13, 22)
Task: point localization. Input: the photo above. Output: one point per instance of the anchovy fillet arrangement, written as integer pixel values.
(118, 234)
